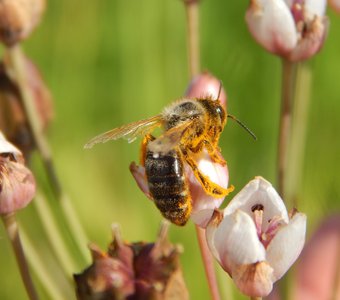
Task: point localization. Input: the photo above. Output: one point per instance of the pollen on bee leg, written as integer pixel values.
(138, 173)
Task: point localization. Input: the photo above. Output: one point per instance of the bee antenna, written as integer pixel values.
(219, 90)
(243, 126)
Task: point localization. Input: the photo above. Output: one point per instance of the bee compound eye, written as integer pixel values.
(220, 111)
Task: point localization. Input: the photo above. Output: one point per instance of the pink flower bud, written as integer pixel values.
(254, 239)
(18, 18)
(294, 29)
(17, 184)
(335, 4)
(205, 85)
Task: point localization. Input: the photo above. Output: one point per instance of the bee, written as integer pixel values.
(190, 126)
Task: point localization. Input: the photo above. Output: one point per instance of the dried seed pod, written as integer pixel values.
(134, 271)
(18, 18)
(13, 121)
(158, 272)
(17, 184)
(107, 278)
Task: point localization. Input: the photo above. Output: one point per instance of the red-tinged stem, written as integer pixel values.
(13, 234)
(298, 133)
(208, 264)
(192, 9)
(288, 82)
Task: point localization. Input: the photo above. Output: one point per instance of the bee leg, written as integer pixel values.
(138, 173)
(209, 187)
(214, 152)
(147, 138)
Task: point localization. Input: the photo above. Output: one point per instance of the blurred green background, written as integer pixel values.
(111, 62)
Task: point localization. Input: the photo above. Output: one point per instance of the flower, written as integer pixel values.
(205, 85)
(294, 29)
(18, 18)
(203, 205)
(254, 239)
(17, 184)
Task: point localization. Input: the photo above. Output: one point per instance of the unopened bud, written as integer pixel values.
(18, 18)
(335, 4)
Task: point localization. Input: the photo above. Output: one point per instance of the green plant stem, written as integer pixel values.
(54, 236)
(288, 84)
(13, 235)
(298, 133)
(41, 271)
(192, 10)
(18, 72)
(208, 263)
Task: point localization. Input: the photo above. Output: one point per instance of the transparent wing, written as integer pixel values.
(170, 139)
(129, 131)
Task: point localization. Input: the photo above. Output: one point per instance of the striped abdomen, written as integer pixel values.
(165, 174)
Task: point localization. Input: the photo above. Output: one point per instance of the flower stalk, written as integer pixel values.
(18, 72)
(192, 11)
(298, 135)
(42, 272)
(12, 230)
(208, 263)
(288, 84)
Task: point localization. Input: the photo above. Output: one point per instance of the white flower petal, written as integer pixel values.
(289, 3)
(313, 40)
(315, 7)
(216, 172)
(235, 241)
(287, 245)
(259, 191)
(272, 25)
(202, 217)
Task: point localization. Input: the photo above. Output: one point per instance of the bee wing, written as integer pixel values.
(129, 131)
(170, 139)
